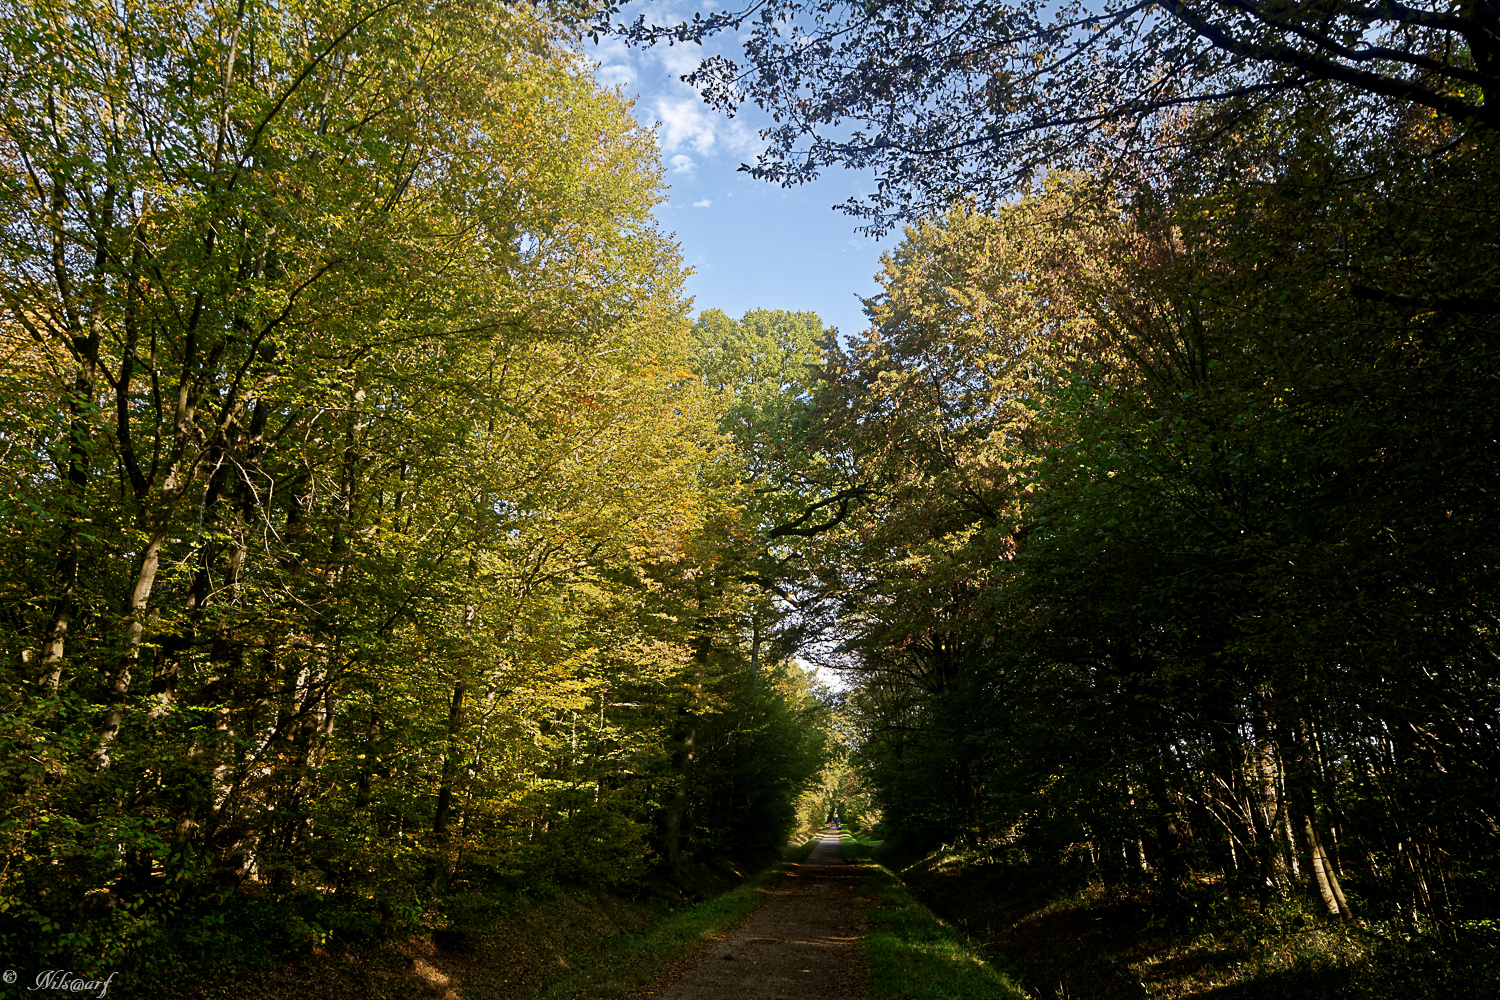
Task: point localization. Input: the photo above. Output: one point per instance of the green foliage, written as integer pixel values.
(763, 366)
(1180, 560)
(760, 751)
(360, 503)
(840, 793)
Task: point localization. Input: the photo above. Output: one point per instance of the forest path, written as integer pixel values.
(798, 944)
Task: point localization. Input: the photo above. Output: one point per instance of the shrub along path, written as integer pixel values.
(799, 943)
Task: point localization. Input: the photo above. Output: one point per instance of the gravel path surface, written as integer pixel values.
(797, 945)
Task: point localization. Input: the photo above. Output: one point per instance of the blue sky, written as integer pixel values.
(750, 244)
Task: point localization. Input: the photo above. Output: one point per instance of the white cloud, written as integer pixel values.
(615, 75)
(685, 125)
(739, 139)
(679, 60)
(705, 203)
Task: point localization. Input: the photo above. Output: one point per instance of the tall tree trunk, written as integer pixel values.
(367, 766)
(119, 686)
(450, 762)
(1168, 835)
(684, 739)
(1275, 850)
(1324, 876)
(54, 642)
(1301, 803)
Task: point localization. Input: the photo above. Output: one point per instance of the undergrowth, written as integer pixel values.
(549, 943)
(1070, 936)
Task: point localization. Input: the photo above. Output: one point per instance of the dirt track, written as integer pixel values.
(797, 945)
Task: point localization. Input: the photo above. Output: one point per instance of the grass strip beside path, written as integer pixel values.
(910, 953)
(641, 959)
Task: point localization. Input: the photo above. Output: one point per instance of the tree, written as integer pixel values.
(763, 370)
(359, 469)
(1216, 598)
(945, 101)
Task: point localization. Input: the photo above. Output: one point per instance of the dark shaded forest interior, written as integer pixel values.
(390, 556)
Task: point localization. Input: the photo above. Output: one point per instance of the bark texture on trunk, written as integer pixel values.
(682, 763)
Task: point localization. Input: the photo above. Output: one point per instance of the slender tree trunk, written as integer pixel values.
(684, 738)
(119, 686)
(450, 762)
(54, 642)
(1262, 818)
(367, 767)
(1275, 847)
(1168, 835)
(1324, 876)
(1300, 786)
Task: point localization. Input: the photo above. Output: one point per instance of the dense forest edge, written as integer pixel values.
(389, 551)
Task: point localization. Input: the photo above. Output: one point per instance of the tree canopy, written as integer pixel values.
(949, 100)
(1178, 561)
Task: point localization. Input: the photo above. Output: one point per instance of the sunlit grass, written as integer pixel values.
(913, 955)
(858, 848)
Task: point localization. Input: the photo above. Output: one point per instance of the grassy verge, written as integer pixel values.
(913, 955)
(636, 960)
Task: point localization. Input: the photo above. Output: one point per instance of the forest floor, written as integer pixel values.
(1068, 939)
(798, 944)
(1088, 943)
